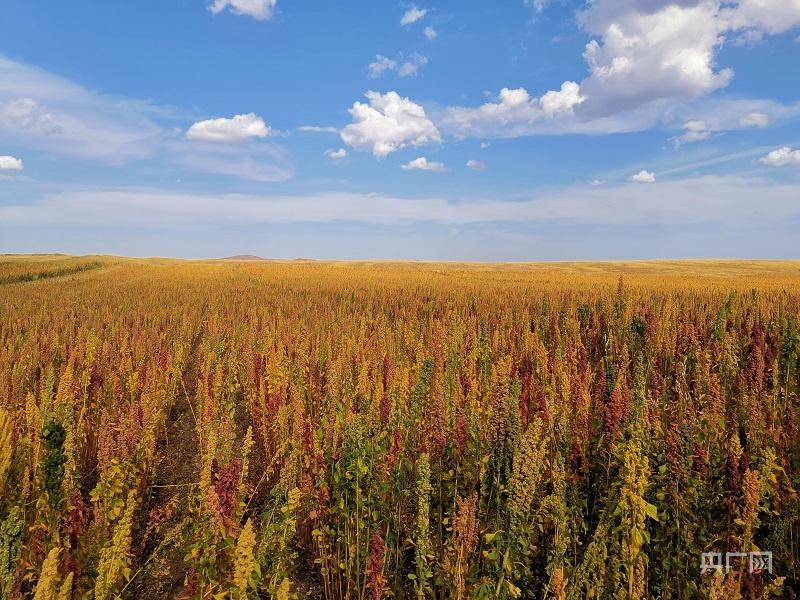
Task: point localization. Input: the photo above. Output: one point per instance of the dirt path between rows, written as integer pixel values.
(162, 566)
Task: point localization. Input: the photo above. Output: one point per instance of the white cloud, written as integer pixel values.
(410, 67)
(45, 112)
(412, 15)
(726, 114)
(597, 182)
(721, 117)
(498, 119)
(514, 109)
(656, 50)
(643, 177)
(430, 33)
(754, 119)
(485, 145)
(317, 129)
(770, 17)
(650, 50)
(562, 102)
(9, 163)
(236, 129)
(782, 157)
(29, 115)
(336, 154)
(476, 165)
(423, 164)
(387, 124)
(648, 60)
(727, 201)
(383, 64)
(696, 131)
(380, 65)
(264, 161)
(260, 10)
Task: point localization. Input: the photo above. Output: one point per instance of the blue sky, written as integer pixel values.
(520, 130)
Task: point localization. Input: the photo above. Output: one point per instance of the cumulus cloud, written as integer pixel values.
(261, 10)
(423, 164)
(388, 123)
(646, 60)
(236, 129)
(476, 165)
(336, 154)
(10, 163)
(643, 177)
(430, 33)
(650, 50)
(383, 64)
(782, 157)
(228, 147)
(655, 50)
(412, 15)
(512, 109)
(563, 101)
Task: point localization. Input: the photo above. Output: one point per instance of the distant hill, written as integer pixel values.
(243, 257)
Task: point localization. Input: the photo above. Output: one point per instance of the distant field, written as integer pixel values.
(278, 429)
(735, 273)
(21, 269)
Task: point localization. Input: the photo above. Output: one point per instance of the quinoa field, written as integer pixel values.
(292, 429)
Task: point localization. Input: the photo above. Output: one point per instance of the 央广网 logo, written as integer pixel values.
(757, 562)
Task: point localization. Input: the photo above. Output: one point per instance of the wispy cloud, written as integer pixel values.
(317, 129)
(47, 113)
(256, 161)
(403, 68)
(412, 15)
(336, 154)
(726, 201)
